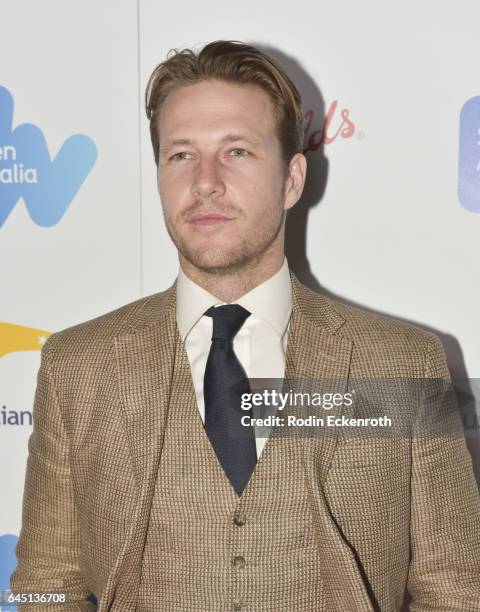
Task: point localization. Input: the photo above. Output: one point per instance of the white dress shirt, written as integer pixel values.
(261, 343)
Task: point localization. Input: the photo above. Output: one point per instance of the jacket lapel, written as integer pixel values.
(316, 351)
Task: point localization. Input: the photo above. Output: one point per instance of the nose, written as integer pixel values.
(207, 179)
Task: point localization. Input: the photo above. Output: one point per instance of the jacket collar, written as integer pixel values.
(313, 306)
(269, 302)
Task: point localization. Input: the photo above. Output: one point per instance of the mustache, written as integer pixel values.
(207, 209)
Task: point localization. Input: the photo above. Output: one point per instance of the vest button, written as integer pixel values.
(238, 562)
(239, 520)
(237, 606)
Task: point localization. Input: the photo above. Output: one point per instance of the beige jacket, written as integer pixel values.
(389, 516)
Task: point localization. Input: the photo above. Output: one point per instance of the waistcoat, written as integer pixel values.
(207, 549)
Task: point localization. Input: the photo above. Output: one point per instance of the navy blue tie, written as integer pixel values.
(224, 380)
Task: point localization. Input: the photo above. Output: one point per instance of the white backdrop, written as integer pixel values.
(380, 225)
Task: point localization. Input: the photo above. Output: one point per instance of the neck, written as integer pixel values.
(231, 285)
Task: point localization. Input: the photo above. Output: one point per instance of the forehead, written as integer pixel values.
(213, 105)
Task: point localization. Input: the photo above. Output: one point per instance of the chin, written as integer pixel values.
(214, 260)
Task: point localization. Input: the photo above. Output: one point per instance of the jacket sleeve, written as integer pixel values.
(48, 547)
(444, 570)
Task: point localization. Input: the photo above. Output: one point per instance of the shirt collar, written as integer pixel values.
(271, 301)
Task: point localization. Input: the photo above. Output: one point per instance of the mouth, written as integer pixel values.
(208, 219)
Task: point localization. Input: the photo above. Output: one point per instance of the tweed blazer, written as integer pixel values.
(390, 516)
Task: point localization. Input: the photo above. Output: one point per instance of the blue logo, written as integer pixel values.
(469, 156)
(8, 562)
(26, 170)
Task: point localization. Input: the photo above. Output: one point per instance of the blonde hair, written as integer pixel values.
(234, 62)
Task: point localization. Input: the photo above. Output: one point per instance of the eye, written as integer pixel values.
(176, 156)
(240, 149)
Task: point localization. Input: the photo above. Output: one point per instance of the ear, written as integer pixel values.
(295, 180)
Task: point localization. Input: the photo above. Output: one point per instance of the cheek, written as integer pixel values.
(267, 184)
(256, 187)
(173, 192)
(264, 194)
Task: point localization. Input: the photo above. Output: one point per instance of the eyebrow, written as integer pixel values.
(227, 138)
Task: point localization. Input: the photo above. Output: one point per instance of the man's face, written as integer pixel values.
(219, 155)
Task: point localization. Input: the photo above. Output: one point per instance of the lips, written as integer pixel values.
(208, 219)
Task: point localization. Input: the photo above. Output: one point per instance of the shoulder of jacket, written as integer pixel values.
(362, 324)
(98, 333)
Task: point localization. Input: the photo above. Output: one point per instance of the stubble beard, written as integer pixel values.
(244, 254)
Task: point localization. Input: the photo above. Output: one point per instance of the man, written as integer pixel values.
(136, 493)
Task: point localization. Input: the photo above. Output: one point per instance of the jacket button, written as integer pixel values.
(238, 562)
(239, 520)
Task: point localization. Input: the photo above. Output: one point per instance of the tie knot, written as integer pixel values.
(227, 320)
